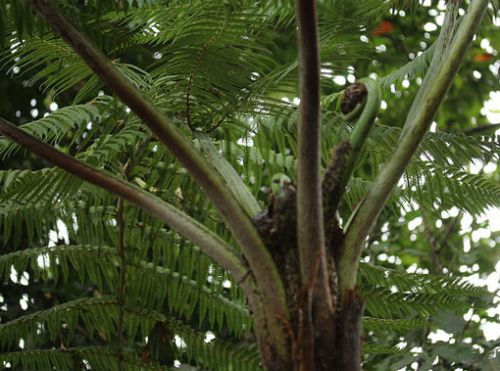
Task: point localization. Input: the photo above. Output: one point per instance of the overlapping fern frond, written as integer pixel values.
(209, 65)
(149, 286)
(393, 294)
(70, 358)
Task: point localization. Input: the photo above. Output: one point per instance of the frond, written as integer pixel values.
(374, 349)
(55, 126)
(25, 197)
(392, 325)
(98, 358)
(339, 36)
(392, 294)
(412, 69)
(51, 63)
(100, 316)
(18, 17)
(147, 285)
(218, 355)
(358, 188)
(445, 187)
(444, 149)
(438, 174)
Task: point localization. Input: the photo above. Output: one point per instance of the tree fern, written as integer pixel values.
(134, 294)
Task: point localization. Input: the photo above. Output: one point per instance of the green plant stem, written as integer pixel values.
(260, 261)
(388, 178)
(229, 174)
(206, 240)
(361, 130)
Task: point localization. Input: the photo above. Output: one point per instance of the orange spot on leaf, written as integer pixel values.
(483, 57)
(385, 27)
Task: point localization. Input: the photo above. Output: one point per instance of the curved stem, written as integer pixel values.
(361, 130)
(206, 240)
(241, 226)
(229, 174)
(388, 178)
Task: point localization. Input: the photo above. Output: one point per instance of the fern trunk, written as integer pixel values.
(276, 225)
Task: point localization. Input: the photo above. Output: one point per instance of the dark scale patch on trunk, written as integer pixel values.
(277, 225)
(332, 196)
(354, 94)
(348, 329)
(337, 345)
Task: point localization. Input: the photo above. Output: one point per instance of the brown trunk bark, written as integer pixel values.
(336, 348)
(337, 345)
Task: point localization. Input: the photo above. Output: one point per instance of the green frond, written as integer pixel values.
(55, 126)
(25, 197)
(57, 66)
(375, 349)
(340, 37)
(183, 295)
(17, 17)
(359, 187)
(147, 285)
(392, 325)
(107, 148)
(51, 63)
(392, 294)
(100, 316)
(410, 282)
(445, 187)
(412, 69)
(38, 360)
(218, 354)
(98, 358)
(438, 174)
(442, 148)
(208, 70)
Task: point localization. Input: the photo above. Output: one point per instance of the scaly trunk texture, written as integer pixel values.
(276, 225)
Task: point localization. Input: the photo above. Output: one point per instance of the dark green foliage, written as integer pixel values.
(228, 68)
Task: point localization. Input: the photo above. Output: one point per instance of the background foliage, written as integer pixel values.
(229, 68)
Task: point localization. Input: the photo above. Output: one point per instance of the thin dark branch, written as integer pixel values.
(121, 286)
(482, 129)
(127, 169)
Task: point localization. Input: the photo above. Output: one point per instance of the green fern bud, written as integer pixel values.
(278, 181)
